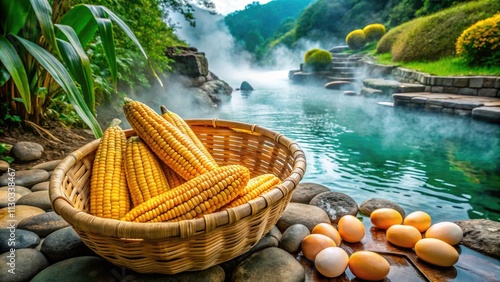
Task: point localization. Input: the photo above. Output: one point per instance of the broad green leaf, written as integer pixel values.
(78, 64)
(4, 75)
(82, 21)
(63, 78)
(13, 15)
(108, 44)
(10, 59)
(43, 12)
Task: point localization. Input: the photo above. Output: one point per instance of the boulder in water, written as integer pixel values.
(246, 86)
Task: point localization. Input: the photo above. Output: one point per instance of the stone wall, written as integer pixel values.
(486, 86)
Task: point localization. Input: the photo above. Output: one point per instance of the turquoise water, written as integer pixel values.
(448, 166)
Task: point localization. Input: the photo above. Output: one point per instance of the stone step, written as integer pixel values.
(339, 49)
(367, 91)
(343, 69)
(337, 78)
(345, 64)
(392, 86)
(484, 108)
(339, 85)
(341, 55)
(344, 60)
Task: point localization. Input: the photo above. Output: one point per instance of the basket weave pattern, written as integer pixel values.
(188, 245)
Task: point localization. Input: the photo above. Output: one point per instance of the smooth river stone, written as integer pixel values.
(28, 262)
(48, 166)
(6, 197)
(304, 214)
(17, 189)
(368, 206)
(482, 235)
(212, 274)
(335, 204)
(36, 199)
(21, 239)
(270, 264)
(82, 269)
(292, 238)
(4, 166)
(21, 212)
(304, 192)
(25, 151)
(43, 224)
(42, 186)
(26, 178)
(64, 244)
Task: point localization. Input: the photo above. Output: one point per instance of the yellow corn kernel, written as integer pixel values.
(109, 195)
(145, 177)
(256, 186)
(180, 123)
(167, 141)
(201, 195)
(173, 178)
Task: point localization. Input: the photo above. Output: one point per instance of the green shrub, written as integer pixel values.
(374, 32)
(480, 43)
(356, 39)
(309, 53)
(385, 43)
(319, 60)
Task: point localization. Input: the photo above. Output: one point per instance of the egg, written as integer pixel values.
(312, 244)
(327, 230)
(385, 217)
(331, 262)
(445, 231)
(418, 219)
(403, 235)
(436, 252)
(351, 229)
(369, 265)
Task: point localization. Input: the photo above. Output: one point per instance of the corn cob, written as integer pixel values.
(145, 177)
(109, 195)
(201, 195)
(176, 120)
(167, 141)
(173, 178)
(256, 186)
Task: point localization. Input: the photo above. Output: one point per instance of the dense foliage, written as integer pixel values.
(309, 53)
(356, 39)
(374, 32)
(480, 43)
(319, 60)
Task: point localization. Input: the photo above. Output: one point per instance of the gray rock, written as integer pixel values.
(487, 113)
(25, 151)
(276, 233)
(64, 244)
(48, 166)
(39, 199)
(43, 224)
(26, 178)
(188, 61)
(337, 85)
(28, 262)
(42, 186)
(212, 274)
(21, 213)
(335, 204)
(350, 93)
(245, 86)
(292, 238)
(376, 203)
(81, 269)
(266, 241)
(304, 214)
(17, 189)
(7, 197)
(304, 192)
(4, 166)
(271, 264)
(19, 239)
(482, 235)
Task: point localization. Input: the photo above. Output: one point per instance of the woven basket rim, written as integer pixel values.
(185, 228)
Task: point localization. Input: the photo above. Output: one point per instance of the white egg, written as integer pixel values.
(331, 262)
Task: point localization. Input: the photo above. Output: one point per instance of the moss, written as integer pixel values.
(319, 60)
(356, 39)
(309, 53)
(374, 32)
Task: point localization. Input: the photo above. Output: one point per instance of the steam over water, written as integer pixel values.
(448, 166)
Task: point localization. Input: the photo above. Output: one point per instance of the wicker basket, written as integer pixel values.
(189, 245)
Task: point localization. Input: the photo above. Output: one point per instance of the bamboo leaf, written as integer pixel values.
(10, 59)
(82, 21)
(106, 32)
(43, 12)
(78, 64)
(4, 75)
(13, 15)
(63, 78)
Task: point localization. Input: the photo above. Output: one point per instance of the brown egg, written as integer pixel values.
(312, 244)
(436, 252)
(327, 230)
(369, 265)
(385, 217)
(405, 236)
(351, 229)
(418, 219)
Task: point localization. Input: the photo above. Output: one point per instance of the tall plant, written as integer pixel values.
(41, 59)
